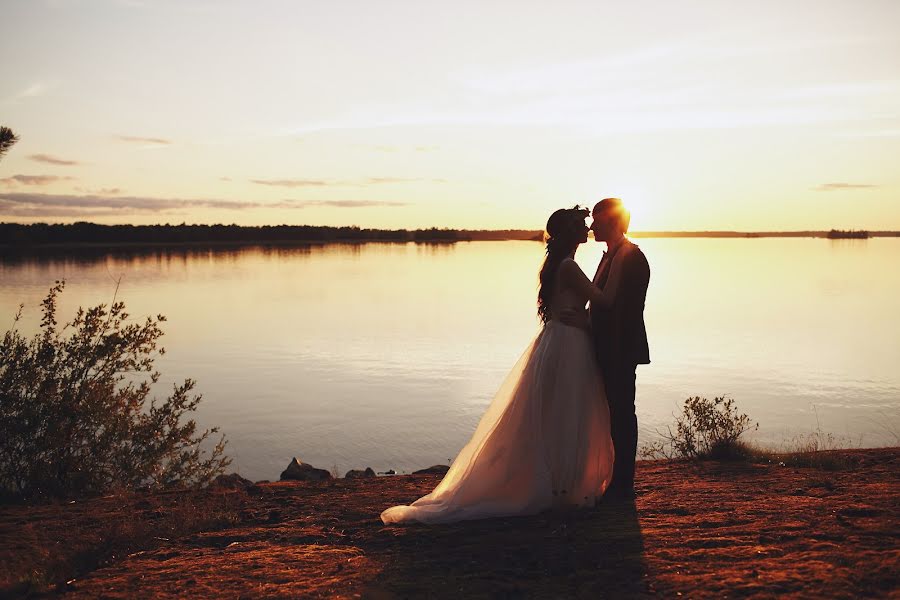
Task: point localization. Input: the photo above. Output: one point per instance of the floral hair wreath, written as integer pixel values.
(569, 215)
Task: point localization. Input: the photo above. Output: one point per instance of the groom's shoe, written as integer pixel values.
(619, 495)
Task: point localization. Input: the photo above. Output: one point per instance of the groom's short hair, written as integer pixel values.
(616, 208)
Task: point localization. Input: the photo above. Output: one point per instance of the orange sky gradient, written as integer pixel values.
(700, 115)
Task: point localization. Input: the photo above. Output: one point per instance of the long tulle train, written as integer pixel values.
(544, 440)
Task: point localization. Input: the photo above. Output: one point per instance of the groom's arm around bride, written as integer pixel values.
(620, 335)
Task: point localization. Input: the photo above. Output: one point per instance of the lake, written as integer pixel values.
(385, 355)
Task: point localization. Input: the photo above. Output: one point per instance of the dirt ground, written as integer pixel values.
(708, 529)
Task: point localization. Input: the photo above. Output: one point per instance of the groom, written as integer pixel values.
(620, 337)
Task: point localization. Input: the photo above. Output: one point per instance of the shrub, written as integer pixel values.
(704, 429)
(74, 411)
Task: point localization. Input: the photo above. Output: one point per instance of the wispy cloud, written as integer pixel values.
(876, 133)
(9, 209)
(140, 203)
(658, 110)
(67, 205)
(378, 180)
(392, 149)
(34, 179)
(35, 89)
(708, 82)
(874, 88)
(100, 191)
(143, 140)
(833, 187)
(14, 211)
(291, 183)
(339, 203)
(32, 91)
(52, 160)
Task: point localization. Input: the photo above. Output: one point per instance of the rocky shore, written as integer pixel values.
(706, 529)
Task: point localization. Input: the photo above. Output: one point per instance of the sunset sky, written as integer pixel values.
(764, 115)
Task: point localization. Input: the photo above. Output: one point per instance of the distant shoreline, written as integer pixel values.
(752, 234)
(22, 238)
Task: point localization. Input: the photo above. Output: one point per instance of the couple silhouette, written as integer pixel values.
(562, 429)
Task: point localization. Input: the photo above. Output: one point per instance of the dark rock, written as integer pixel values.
(433, 470)
(357, 474)
(232, 481)
(388, 472)
(300, 471)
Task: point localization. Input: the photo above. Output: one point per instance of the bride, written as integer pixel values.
(544, 441)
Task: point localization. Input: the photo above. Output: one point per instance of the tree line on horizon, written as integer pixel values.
(84, 233)
(23, 236)
(17, 234)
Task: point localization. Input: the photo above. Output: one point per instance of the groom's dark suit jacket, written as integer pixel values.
(619, 333)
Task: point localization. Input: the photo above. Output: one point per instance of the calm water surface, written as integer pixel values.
(385, 355)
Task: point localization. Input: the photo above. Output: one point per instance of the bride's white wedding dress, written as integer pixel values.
(544, 440)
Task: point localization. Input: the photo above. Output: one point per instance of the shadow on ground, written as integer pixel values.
(571, 554)
(702, 530)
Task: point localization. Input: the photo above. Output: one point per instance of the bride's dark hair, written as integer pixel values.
(565, 230)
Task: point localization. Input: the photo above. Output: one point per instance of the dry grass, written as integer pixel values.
(702, 529)
(814, 450)
(44, 546)
(699, 529)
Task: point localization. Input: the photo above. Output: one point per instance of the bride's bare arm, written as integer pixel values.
(574, 277)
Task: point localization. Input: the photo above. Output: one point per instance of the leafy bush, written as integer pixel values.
(74, 411)
(704, 429)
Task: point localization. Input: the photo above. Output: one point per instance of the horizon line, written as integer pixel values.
(460, 229)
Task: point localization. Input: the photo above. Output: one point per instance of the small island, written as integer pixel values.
(839, 234)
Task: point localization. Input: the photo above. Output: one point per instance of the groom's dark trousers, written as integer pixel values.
(620, 339)
(620, 389)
